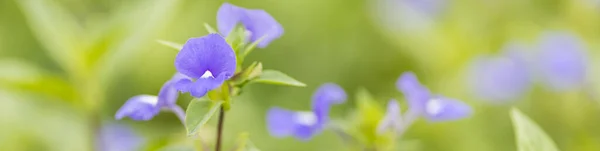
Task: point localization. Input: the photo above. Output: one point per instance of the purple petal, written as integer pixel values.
(500, 79)
(281, 122)
(201, 58)
(259, 23)
(392, 119)
(325, 96)
(440, 109)
(330, 93)
(415, 93)
(115, 137)
(262, 25)
(562, 61)
(168, 93)
(228, 17)
(208, 53)
(141, 107)
(305, 132)
(302, 125)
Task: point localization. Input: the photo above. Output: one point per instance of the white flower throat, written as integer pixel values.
(207, 74)
(149, 99)
(306, 118)
(434, 107)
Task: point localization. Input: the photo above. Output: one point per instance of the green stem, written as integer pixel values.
(220, 129)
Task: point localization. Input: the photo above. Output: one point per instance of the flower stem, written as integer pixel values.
(178, 111)
(220, 129)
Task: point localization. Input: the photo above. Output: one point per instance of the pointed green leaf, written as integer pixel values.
(277, 78)
(251, 47)
(137, 25)
(199, 112)
(173, 45)
(56, 29)
(529, 136)
(209, 28)
(244, 143)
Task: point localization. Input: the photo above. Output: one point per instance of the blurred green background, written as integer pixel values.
(67, 63)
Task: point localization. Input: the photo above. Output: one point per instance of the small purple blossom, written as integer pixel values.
(258, 23)
(500, 78)
(392, 119)
(562, 61)
(145, 107)
(434, 108)
(208, 61)
(113, 137)
(305, 124)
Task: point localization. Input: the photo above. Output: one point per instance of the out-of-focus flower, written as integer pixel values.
(408, 15)
(145, 107)
(208, 61)
(113, 137)
(259, 24)
(500, 78)
(305, 124)
(434, 108)
(392, 119)
(562, 61)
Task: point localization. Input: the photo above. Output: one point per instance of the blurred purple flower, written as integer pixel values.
(429, 7)
(562, 60)
(392, 119)
(208, 60)
(408, 15)
(434, 108)
(305, 124)
(113, 137)
(257, 22)
(500, 78)
(145, 107)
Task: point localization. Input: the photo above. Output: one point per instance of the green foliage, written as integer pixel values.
(529, 136)
(366, 119)
(173, 45)
(277, 78)
(209, 28)
(244, 144)
(199, 112)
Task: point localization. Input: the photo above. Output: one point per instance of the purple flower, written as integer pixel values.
(115, 137)
(208, 61)
(392, 119)
(145, 107)
(305, 124)
(500, 78)
(562, 61)
(258, 23)
(434, 108)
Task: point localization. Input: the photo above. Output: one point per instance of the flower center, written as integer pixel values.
(433, 107)
(149, 99)
(207, 74)
(306, 118)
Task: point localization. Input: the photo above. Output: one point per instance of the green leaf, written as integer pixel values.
(209, 28)
(251, 47)
(56, 29)
(173, 45)
(277, 78)
(529, 136)
(244, 143)
(177, 148)
(199, 112)
(369, 114)
(17, 74)
(137, 25)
